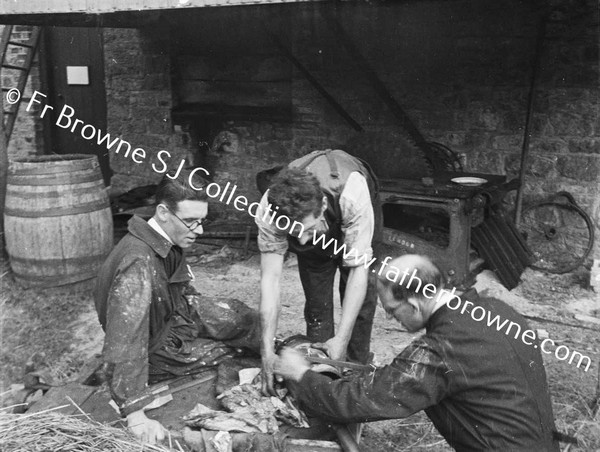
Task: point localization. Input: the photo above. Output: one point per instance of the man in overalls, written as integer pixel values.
(323, 207)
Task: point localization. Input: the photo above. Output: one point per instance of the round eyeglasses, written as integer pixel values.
(192, 227)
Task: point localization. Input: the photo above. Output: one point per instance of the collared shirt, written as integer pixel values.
(154, 225)
(442, 300)
(357, 223)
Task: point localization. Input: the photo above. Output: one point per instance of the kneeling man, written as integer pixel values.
(157, 326)
(481, 388)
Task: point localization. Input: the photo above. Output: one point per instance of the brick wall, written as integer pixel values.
(27, 136)
(461, 70)
(139, 101)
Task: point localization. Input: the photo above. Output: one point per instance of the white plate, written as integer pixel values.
(470, 181)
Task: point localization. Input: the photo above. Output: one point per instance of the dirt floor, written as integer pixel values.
(57, 331)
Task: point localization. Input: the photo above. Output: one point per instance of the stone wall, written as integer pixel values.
(139, 101)
(461, 70)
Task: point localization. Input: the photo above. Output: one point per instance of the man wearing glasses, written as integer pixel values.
(483, 389)
(157, 326)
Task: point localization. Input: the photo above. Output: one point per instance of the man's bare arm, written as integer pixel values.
(271, 265)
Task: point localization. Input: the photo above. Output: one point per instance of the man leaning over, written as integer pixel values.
(334, 195)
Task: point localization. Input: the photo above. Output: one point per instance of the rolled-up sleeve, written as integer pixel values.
(358, 220)
(271, 239)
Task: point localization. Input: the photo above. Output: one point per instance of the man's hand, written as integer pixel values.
(268, 361)
(147, 430)
(356, 289)
(291, 364)
(334, 347)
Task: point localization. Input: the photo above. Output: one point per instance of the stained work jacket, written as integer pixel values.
(482, 389)
(156, 324)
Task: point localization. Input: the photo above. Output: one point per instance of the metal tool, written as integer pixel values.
(343, 364)
(163, 390)
(347, 441)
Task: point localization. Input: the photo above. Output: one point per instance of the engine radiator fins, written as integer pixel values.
(499, 243)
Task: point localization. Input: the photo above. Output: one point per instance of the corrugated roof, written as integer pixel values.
(10, 7)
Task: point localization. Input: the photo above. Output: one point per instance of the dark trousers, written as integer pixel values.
(317, 274)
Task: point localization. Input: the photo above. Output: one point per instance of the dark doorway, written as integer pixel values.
(79, 52)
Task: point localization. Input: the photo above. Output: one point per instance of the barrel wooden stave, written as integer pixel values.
(58, 223)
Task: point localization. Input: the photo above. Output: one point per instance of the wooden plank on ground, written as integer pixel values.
(588, 319)
(59, 396)
(95, 402)
(305, 445)
(201, 440)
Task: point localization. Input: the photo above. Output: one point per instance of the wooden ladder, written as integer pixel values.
(7, 66)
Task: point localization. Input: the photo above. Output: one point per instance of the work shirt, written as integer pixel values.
(482, 389)
(357, 223)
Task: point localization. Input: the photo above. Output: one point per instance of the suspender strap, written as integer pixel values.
(330, 160)
(310, 160)
(332, 165)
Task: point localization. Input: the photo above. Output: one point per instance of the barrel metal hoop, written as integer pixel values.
(53, 281)
(53, 179)
(40, 165)
(82, 208)
(78, 261)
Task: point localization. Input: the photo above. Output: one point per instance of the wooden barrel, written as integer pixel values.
(57, 219)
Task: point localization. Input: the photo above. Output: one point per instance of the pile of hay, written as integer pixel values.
(51, 431)
(578, 420)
